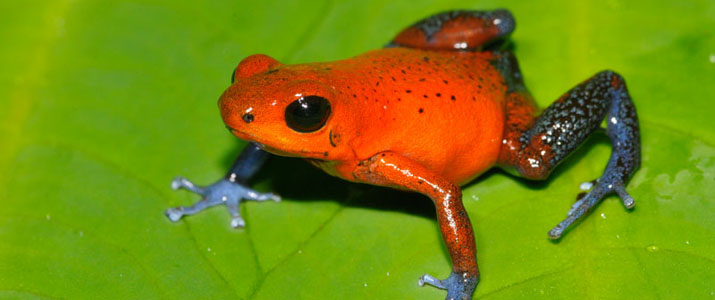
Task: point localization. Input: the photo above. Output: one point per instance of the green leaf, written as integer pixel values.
(103, 103)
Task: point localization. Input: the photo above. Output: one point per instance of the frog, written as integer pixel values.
(437, 106)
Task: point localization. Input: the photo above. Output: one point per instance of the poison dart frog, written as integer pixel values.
(440, 104)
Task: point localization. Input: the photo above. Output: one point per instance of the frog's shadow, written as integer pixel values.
(296, 180)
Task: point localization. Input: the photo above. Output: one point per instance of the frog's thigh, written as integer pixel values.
(394, 170)
(457, 30)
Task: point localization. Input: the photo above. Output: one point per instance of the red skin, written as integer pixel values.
(470, 31)
(425, 121)
(376, 107)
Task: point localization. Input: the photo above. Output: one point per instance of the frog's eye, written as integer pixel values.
(307, 114)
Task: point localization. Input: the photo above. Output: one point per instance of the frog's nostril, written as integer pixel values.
(247, 117)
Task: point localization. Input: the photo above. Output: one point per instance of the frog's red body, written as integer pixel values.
(443, 109)
(429, 112)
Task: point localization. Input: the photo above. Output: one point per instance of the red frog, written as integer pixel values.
(436, 107)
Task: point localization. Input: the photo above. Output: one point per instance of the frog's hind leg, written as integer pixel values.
(457, 30)
(535, 148)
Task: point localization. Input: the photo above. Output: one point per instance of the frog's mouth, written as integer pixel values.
(251, 138)
(240, 134)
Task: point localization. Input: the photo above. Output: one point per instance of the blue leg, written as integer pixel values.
(228, 191)
(535, 148)
(458, 285)
(624, 133)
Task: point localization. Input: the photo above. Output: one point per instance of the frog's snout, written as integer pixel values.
(233, 112)
(230, 129)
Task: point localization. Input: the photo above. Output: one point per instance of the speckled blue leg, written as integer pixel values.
(458, 285)
(564, 125)
(623, 130)
(228, 191)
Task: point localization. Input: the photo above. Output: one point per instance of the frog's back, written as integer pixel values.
(444, 109)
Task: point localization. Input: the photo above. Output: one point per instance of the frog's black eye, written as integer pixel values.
(307, 114)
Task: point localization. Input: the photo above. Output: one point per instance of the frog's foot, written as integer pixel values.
(224, 192)
(459, 285)
(596, 191)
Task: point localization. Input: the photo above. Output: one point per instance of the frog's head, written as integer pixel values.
(285, 108)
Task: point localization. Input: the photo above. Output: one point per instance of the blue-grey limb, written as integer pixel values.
(458, 285)
(230, 190)
(565, 124)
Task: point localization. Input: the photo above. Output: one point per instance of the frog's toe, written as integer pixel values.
(174, 214)
(224, 191)
(459, 285)
(255, 196)
(237, 222)
(183, 183)
(586, 201)
(430, 280)
(577, 210)
(627, 200)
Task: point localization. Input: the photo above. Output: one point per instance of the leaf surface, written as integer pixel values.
(104, 102)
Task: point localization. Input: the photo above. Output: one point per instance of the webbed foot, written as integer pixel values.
(223, 191)
(459, 285)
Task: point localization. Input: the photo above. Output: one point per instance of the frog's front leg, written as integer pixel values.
(535, 147)
(393, 170)
(457, 30)
(229, 191)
